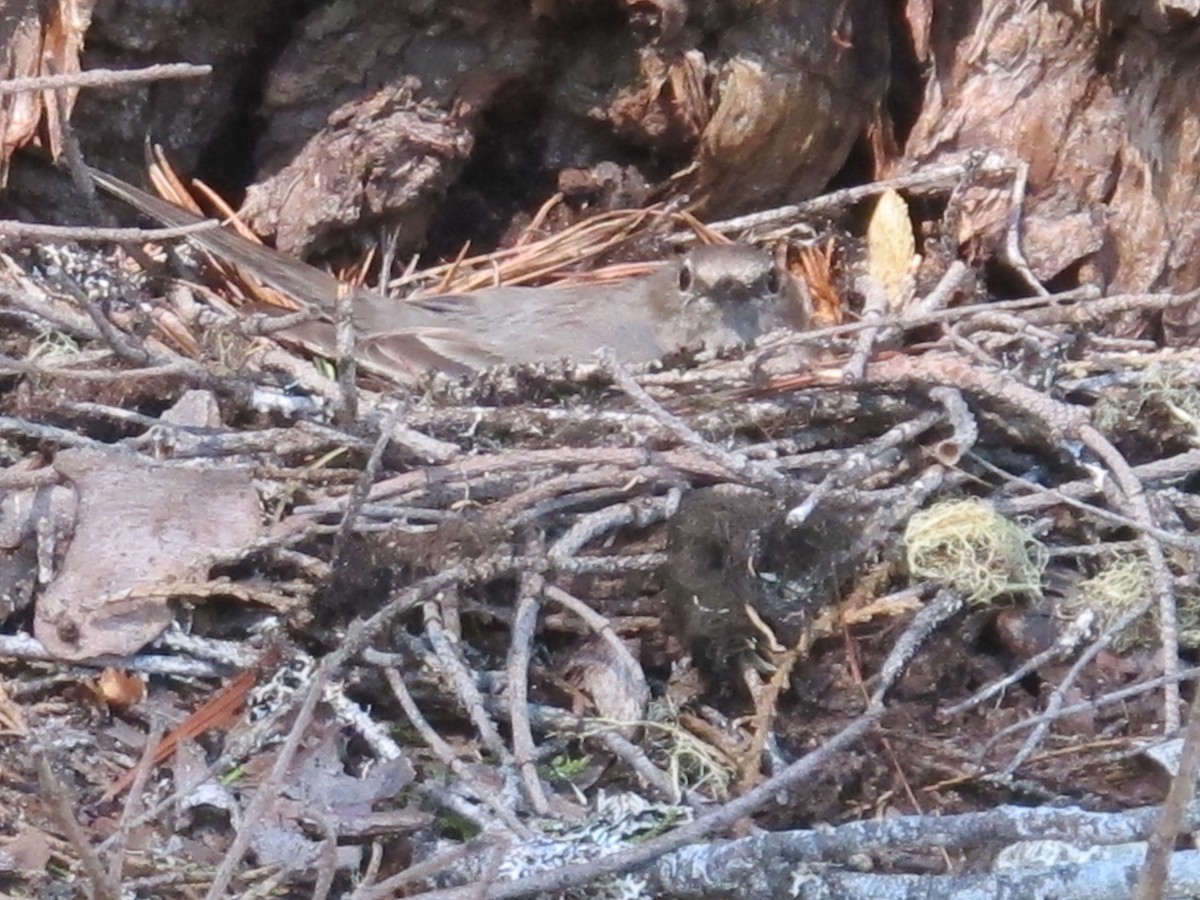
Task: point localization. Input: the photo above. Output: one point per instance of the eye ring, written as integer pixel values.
(685, 277)
(773, 282)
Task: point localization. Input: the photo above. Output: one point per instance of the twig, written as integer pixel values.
(627, 860)
(447, 755)
(520, 645)
(1012, 235)
(734, 463)
(104, 77)
(1152, 878)
(449, 654)
(874, 307)
(363, 487)
(1164, 591)
(136, 792)
(14, 229)
(347, 364)
(1117, 696)
(925, 178)
(1057, 697)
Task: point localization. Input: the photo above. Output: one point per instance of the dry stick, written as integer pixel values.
(548, 717)
(953, 214)
(508, 511)
(265, 324)
(353, 716)
(969, 347)
(926, 177)
(268, 790)
(358, 635)
(1164, 590)
(424, 869)
(1088, 307)
(1105, 308)
(70, 145)
(937, 299)
(1177, 466)
(964, 428)
(1054, 705)
(1153, 876)
(121, 344)
(635, 857)
(634, 757)
(862, 462)
(1007, 322)
(1117, 696)
(26, 647)
(1108, 549)
(28, 304)
(998, 826)
(615, 485)
(736, 464)
(447, 755)
(10, 228)
(874, 308)
(10, 366)
(368, 874)
(103, 78)
(641, 512)
(465, 684)
(362, 487)
(1012, 237)
(1065, 644)
(524, 627)
(464, 470)
(1063, 421)
(347, 363)
(597, 623)
(62, 437)
(141, 774)
(329, 854)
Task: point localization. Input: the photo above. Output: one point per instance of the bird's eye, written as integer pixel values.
(773, 281)
(685, 277)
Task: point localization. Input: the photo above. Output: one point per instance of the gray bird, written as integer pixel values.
(717, 297)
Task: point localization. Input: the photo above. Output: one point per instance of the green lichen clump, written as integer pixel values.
(970, 547)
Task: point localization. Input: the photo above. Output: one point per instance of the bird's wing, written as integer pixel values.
(302, 282)
(407, 353)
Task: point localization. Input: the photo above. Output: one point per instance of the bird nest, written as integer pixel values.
(640, 605)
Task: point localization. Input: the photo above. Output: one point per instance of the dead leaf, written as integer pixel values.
(319, 789)
(141, 528)
(116, 687)
(891, 247)
(26, 852)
